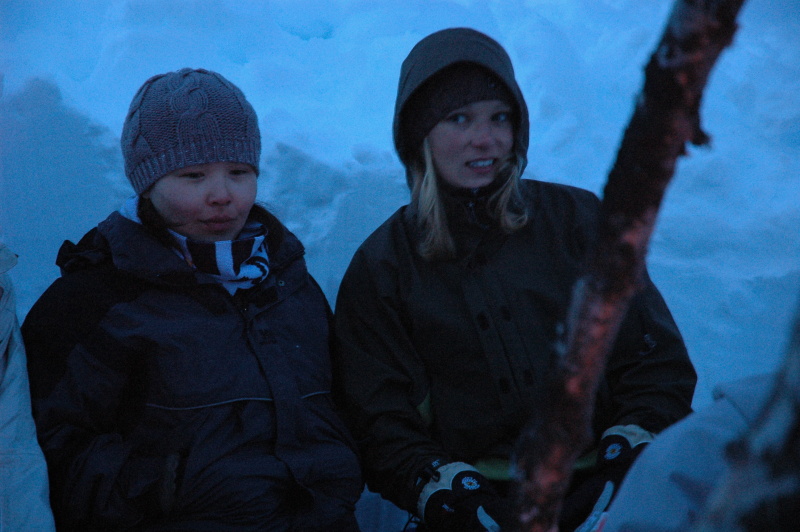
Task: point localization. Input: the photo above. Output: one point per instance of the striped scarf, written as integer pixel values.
(241, 263)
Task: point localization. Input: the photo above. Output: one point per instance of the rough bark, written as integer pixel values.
(761, 490)
(665, 118)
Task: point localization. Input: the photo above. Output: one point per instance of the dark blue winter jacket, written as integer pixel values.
(164, 403)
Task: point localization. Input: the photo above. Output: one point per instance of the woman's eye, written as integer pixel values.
(503, 116)
(457, 118)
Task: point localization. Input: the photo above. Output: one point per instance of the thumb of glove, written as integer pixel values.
(487, 521)
(597, 515)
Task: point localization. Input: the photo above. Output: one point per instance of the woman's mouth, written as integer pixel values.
(481, 164)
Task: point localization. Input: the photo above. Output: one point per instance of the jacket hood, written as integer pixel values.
(128, 246)
(7, 258)
(748, 395)
(445, 48)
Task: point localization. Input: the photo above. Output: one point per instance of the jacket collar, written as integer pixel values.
(133, 249)
(468, 207)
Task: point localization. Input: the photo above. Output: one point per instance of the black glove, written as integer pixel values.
(616, 453)
(459, 499)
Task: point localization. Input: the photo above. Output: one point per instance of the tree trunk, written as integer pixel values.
(665, 118)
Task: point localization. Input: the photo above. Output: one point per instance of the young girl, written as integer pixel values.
(180, 368)
(450, 313)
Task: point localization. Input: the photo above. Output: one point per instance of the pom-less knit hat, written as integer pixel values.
(183, 118)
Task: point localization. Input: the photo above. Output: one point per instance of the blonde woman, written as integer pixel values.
(449, 315)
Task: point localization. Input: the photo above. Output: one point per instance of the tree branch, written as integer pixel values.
(665, 118)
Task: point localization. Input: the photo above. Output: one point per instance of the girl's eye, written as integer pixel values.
(191, 175)
(244, 171)
(503, 116)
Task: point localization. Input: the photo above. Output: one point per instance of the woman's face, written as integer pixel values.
(470, 145)
(206, 202)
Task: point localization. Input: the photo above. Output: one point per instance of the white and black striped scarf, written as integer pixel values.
(241, 263)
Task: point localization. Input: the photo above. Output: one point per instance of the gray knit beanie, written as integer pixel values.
(183, 118)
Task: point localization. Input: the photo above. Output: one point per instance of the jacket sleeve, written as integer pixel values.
(381, 382)
(24, 501)
(650, 378)
(80, 379)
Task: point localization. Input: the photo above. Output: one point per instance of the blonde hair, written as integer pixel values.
(506, 206)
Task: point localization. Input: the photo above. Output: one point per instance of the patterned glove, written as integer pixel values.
(459, 499)
(584, 509)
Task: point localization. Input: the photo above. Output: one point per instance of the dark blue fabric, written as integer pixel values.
(132, 359)
(451, 359)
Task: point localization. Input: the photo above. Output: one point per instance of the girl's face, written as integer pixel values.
(471, 143)
(206, 202)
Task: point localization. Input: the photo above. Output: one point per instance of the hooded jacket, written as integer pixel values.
(162, 402)
(24, 503)
(448, 360)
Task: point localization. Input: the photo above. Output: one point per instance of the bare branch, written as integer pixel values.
(665, 118)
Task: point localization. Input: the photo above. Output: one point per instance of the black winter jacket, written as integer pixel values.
(449, 359)
(164, 403)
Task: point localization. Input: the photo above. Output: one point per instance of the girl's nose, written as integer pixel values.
(219, 192)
